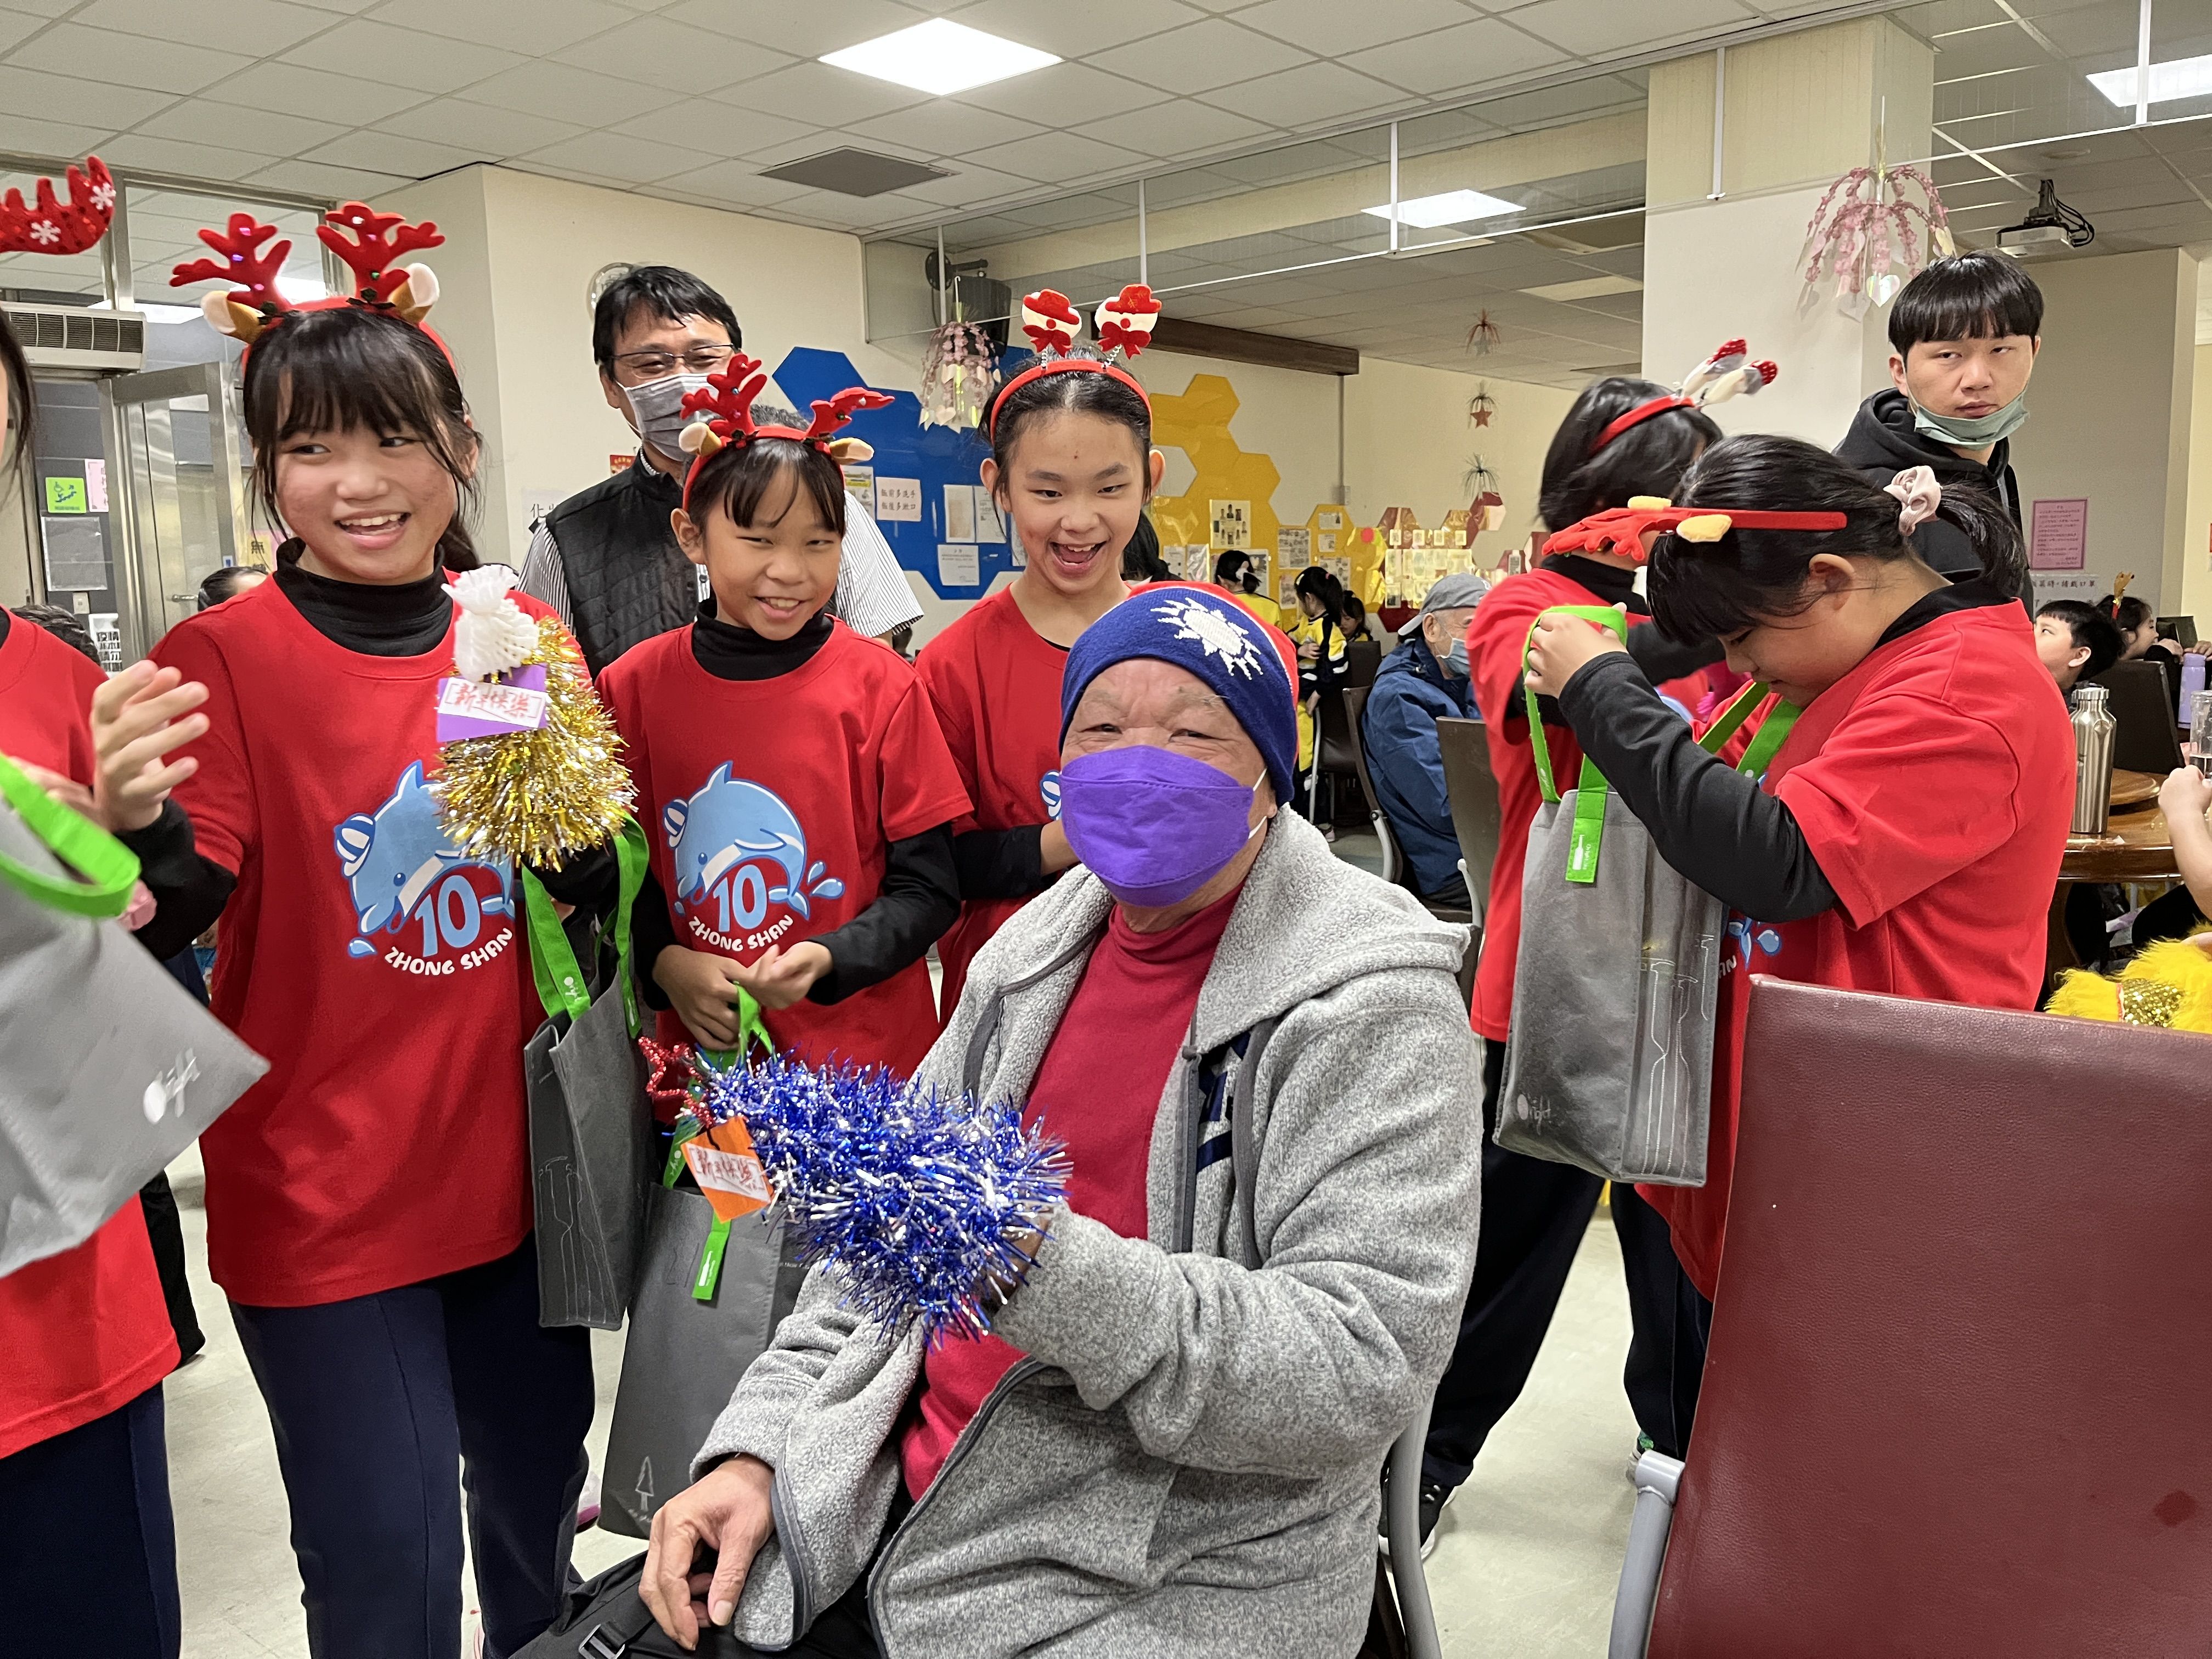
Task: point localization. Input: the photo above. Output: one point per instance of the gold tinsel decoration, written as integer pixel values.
(540, 797)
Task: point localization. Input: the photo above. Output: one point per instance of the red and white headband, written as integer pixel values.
(1722, 375)
(372, 250)
(56, 226)
(725, 408)
(1052, 322)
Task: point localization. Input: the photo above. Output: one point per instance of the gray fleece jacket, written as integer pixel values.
(1186, 1461)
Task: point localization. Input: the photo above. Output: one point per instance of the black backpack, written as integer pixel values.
(604, 1619)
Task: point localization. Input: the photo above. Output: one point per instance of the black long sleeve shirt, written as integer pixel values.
(1714, 824)
(918, 897)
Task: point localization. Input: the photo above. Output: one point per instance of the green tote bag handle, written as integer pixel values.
(109, 868)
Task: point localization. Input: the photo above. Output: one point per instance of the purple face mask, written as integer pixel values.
(1153, 825)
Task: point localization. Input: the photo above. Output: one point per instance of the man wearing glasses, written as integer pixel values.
(607, 558)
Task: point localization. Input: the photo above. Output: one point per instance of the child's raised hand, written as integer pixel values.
(1561, 646)
(138, 718)
(781, 977)
(701, 987)
(2185, 796)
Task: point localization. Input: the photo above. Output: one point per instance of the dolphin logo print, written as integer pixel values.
(732, 822)
(393, 857)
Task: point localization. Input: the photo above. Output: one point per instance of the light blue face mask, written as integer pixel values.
(1456, 658)
(1981, 432)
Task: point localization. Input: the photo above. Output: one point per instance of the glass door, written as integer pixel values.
(180, 470)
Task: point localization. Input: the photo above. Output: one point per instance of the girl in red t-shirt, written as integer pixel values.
(794, 784)
(1907, 835)
(1071, 468)
(368, 1201)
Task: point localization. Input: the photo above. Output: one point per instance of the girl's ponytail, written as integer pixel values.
(1990, 531)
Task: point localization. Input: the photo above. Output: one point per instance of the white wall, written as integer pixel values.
(2196, 524)
(2112, 400)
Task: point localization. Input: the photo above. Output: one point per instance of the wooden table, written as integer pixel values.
(2136, 846)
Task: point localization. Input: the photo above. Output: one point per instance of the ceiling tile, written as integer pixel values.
(129, 60)
(16, 26)
(1469, 54)
(1308, 95)
(675, 58)
(46, 8)
(390, 152)
(491, 133)
(320, 179)
(804, 31)
(1063, 96)
(733, 181)
(133, 150)
(401, 58)
(27, 137)
(1056, 157)
(968, 186)
(1331, 28)
(1198, 59)
(540, 26)
(716, 126)
(941, 127)
(1185, 127)
(545, 88)
(198, 120)
(634, 160)
(822, 96)
(1598, 31)
(73, 102)
(1076, 31)
(254, 27)
(292, 90)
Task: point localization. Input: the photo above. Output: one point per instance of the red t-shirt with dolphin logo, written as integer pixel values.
(383, 972)
(769, 805)
(85, 1330)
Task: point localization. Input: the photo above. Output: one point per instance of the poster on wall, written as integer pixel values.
(1331, 518)
(989, 527)
(1260, 567)
(1327, 543)
(2083, 585)
(1293, 546)
(2058, 534)
(898, 500)
(1197, 564)
(1232, 526)
(958, 565)
(861, 485)
(959, 512)
(1340, 568)
(1286, 589)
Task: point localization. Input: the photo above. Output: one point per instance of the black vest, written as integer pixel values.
(628, 580)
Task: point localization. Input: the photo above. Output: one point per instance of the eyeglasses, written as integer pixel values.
(652, 365)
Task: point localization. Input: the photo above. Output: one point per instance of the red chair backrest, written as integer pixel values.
(1958, 1399)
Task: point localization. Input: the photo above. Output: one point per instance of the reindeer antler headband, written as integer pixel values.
(1722, 375)
(725, 406)
(1052, 322)
(52, 226)
(375, 242)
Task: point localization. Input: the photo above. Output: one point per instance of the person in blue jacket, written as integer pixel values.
(1424, 681)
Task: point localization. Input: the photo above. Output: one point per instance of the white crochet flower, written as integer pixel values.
(493, 633)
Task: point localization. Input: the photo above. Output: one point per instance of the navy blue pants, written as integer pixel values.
(87, 1547)
(1535, 1213)
(379, 1402)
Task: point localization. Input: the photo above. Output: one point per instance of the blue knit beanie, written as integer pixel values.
(1210, 635)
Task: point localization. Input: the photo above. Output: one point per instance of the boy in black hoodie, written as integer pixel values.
(1963, 334)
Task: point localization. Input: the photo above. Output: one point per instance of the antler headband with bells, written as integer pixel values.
(725, 406)
(1052, 322)
(55, 227)
(376, 242)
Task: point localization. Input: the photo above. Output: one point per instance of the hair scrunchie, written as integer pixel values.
(1919, 496)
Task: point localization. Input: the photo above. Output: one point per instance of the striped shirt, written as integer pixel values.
(873, 596)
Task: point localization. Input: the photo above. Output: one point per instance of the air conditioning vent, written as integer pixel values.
(72, 337)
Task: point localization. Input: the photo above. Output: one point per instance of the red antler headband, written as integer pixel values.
(53, 227)
(1052, 322)
(1722, 375)
(725, 406)
(1629, 530)
(257, 304)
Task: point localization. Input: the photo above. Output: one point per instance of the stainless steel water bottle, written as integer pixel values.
(2093, 760)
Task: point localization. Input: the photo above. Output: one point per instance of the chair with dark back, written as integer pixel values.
(1932, 1424)
(1396, 868)
(2143, 704)
(1472, 789)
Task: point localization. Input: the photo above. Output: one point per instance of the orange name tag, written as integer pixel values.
(728, 1170)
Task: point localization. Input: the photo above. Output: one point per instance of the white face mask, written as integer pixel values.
(1984, 431)
(656, 410)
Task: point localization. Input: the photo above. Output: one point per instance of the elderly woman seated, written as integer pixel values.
(1260, 1064)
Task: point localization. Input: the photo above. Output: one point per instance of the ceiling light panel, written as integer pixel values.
(2185, 77)
(940, 57)
(1453, 207)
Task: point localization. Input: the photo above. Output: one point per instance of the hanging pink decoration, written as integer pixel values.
(959, 376)
(1873, 234)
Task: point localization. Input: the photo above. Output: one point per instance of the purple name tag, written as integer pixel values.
(492, 708)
